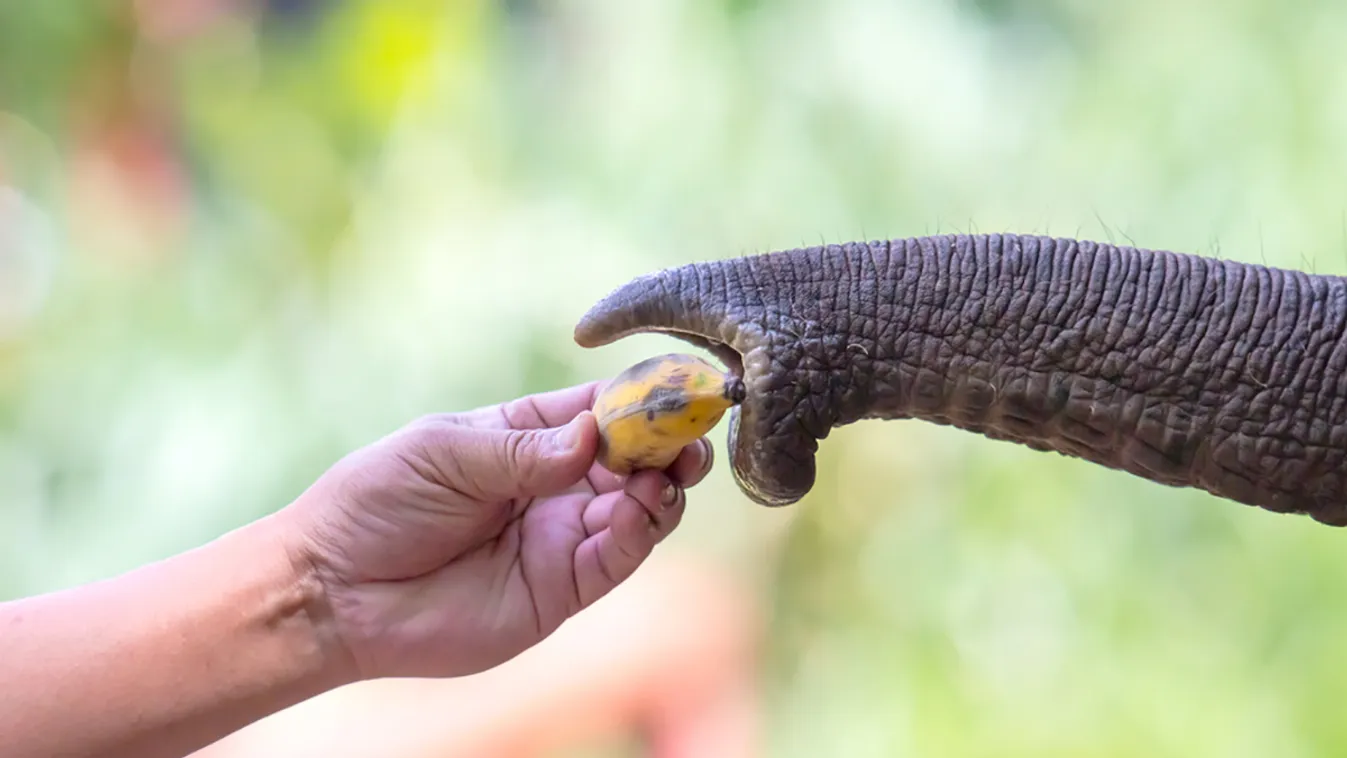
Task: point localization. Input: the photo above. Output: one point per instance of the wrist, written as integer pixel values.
(304, 603)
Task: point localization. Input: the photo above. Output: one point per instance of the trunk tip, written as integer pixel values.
(607, 321)
(590, 332)
(644, 304)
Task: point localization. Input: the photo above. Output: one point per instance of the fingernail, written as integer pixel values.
(669, 495)
(568, 438)
(708, 455)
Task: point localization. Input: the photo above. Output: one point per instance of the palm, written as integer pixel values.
(425, 552)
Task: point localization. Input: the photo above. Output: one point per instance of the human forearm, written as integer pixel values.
(167, 658)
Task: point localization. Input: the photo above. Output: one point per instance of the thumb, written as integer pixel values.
(498, 464)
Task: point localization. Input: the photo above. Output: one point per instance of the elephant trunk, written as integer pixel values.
(1183, 370)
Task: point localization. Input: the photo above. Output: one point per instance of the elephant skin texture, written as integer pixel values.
(1185, 370)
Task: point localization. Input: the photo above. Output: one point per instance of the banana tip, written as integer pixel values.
(735, 391)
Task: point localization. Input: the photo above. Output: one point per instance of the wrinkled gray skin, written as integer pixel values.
(1184, 370)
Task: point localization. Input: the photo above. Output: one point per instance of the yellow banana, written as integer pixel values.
(650, 411)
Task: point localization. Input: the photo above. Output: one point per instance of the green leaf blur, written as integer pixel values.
(238, 240)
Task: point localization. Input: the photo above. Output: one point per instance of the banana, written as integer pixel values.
(650, 411)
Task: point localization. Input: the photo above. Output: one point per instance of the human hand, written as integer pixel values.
(457, 542)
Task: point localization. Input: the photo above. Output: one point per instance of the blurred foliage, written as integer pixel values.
(238, 239)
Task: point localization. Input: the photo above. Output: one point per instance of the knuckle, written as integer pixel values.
(426, 432)
(520, 452)
(522, 413)
(429, 448)
(442, 419)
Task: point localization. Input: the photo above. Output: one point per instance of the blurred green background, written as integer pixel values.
(239, 239)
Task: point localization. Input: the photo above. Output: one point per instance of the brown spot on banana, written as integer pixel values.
(648, 413)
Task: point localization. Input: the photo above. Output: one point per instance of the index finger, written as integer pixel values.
(536, 411)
